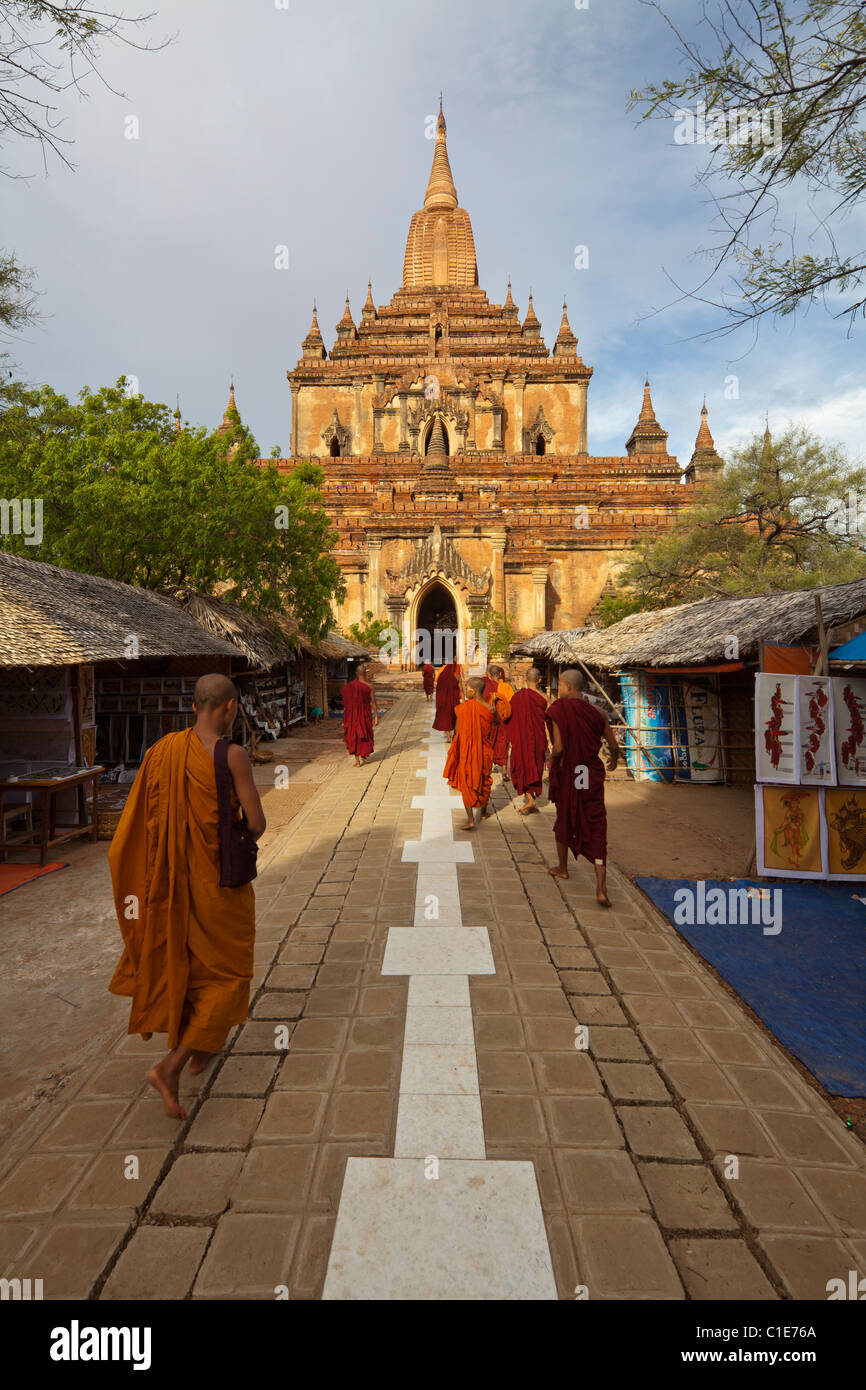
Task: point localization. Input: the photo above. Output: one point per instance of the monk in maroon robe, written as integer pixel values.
(527, 732)
(577, 779)
(449, 693)
(359, 716)
(499, 693)
(428, 674)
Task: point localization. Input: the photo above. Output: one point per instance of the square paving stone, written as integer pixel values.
(720, 1269)
(572, 1072)
(498, 1033)
(39, 1183)
(291, 976)
(262, 1037)
(83, 1125)
(657, 1131)
(119, 1076)
(362, 1115)
(699, 1081)
(362, 1068)
(340, 973)
(73, 1255)
(805, 1138)
(383, 999)
(653, 1009)
(492, 999)
(292, 1116)
(582, 1122)
(584, 982)
(597, 1008)
(764, 1089)
(302, 953)
(333, 1002)
(512, 1119)
(617, 1044)
(320, 1035)
(842, 1194)
(725, 1045)
(160, 1262)
(118, 1181)
(771, 1198)
(604, 1181)
(549, 1034)
(731, 1129)
(197, 1185)
(224, 1123)
(274, 1177)
(15, 1236)
(806, 1264)
(633, 1081)
(373, 1032)
(282, 1006)
(505, 1071)
(624, 1257)
(674, 1044)
(687, 1197)
(245, 1076)
(707, 1014)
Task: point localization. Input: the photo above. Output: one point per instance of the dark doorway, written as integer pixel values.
(540, 445)
(437, 626)
(335, 448)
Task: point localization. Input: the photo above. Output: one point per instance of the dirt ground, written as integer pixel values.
(680, 831)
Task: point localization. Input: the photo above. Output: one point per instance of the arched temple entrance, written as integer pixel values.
(437, 624)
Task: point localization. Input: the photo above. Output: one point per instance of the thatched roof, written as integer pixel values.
(554, 646)
(56, 617)
(265, 642)
(697, 634)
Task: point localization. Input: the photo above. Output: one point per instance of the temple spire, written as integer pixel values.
(314, 344)
(647, 437)
(441, 194)
(566, 342)
(705, 461)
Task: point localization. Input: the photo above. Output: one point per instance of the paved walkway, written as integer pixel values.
(460, 1078)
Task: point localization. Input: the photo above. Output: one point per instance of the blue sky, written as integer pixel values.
(304, 126)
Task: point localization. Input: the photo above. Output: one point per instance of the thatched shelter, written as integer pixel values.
(57, 617)
(699, 634)
(556, 647)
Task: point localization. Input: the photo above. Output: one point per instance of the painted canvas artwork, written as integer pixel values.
(791, 834)
(846, 833)
(849, 712)
(815, 741)
(775, 728)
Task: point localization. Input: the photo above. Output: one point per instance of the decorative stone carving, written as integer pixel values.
(437, 553)
(538, 427)
(335, 430)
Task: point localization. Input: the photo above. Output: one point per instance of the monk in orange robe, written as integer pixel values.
(188, 943)
(470, 758)
(503, 693)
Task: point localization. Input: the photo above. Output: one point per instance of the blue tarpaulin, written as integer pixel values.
(855, 650)
(807, 983)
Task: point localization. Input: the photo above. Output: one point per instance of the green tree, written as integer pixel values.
(369, 631)
(499, 628)
(785, 513)
(126, 497)
(778, 96)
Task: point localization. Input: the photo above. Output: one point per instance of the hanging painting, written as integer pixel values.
(849, 712)
(775, 728)
(815, 744)
(791, 832)
(846, 833)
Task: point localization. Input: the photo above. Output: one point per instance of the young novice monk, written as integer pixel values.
(469, 763)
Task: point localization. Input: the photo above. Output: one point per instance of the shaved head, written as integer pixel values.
(573, 679)
(212, 691)
(533, 675)
(497, 671)
(477, 684)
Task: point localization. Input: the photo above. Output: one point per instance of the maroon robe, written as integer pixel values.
(429, 676)
(358, 718)
(581, 820)
(528, 736)
(448, 697)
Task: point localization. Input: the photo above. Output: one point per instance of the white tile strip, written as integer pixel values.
(439, 1221)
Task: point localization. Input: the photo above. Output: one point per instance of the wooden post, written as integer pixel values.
(823, 647)
(645, 751)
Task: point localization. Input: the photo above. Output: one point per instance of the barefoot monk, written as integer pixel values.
(360, 715)
(577, 779)
(527, 733)
(188, 943)
(470, 757)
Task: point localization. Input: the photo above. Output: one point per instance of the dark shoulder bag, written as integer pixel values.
(238, 849)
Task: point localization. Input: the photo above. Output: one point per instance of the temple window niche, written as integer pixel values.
(540, 446)
(437, 341)
(335, 448)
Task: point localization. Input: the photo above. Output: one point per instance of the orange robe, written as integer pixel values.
(188, 954)
(501, 734)
(469, 763)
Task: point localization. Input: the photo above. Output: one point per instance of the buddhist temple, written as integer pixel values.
(454, 446)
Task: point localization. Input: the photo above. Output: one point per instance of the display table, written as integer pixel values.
(49, 781)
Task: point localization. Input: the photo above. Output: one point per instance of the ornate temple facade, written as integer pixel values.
(454, 448)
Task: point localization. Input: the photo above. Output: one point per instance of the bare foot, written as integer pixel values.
(167, 1087)
(602, 899)
(485, 814)
(470, 825)
(199, 1062)
(558, 873)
